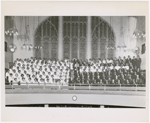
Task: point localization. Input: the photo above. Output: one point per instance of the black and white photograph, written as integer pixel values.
(80, 62)
(69, 57)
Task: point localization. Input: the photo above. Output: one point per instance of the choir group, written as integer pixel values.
(125, 71)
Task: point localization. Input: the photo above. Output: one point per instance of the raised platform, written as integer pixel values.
(93, 97)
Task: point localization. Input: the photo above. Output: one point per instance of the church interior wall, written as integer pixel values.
(129, 26)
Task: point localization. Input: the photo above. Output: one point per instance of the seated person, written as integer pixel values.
(23, 81)
(62, 80)
(109, 80)
(143, 78)
(15, 81)
(101, 82)
(113, 81)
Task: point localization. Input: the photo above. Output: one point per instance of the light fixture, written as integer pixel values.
(12, 48)
(38, 47)
(13, 30)
(136, 50)
(138, 34)
(27, 43)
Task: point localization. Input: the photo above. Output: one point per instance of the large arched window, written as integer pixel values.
(102, 36)
(74, 36)
(46, 35)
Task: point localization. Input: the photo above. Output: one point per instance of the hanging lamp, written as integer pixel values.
(12, 30)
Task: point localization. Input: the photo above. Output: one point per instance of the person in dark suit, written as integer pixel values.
(88, 78)
(120, 61)
(143, 78)
(98, 79)
(138, 62)
(134, 62)
(113, 81)
(116, 79)
(133, 76)
(82, 77)
(85, 76)
(96, 75)
(124, 60)
(109, 80)
(130, 80)
(128, 60)
(91, 77)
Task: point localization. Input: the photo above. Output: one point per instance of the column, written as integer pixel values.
(88, 43)
(60, 38)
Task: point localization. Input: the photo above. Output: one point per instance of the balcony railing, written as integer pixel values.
(78, 86)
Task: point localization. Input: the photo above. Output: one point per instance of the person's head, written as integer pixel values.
(16, 75)
(14, 70)
(128, 56)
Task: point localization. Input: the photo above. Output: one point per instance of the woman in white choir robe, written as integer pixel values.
(47, 80)
(51, 79)
(23, 81)
(62, 80)
(111, 67)
(15, 81)
(33, 78)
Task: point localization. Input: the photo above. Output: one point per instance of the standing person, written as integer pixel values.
(138, 62)
(124, 60)
(143, 78)
(128, 60)
(134, 62)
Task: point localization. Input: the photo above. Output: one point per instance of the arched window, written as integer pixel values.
(46, 35)
(74, 36)
(102, 36)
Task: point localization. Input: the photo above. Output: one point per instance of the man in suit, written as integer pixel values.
(134, 62)
(96, 75)
(138, 62)
(143, 78)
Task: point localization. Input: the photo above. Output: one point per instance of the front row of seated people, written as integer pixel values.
(36, 71)
(113, 76)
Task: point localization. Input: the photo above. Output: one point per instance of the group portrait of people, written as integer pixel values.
(112, 71)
